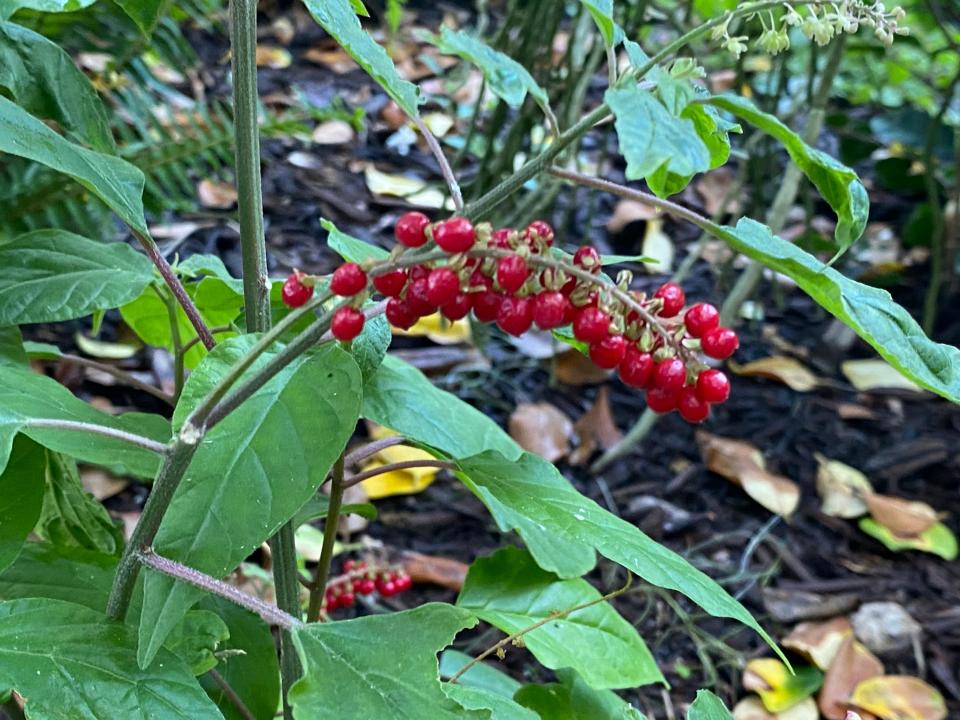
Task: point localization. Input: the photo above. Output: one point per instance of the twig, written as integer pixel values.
(121, 375)
(188, 345)
(231, 694)
(270, 614)
(372, 448)
(405, 465)
(122, 435)
(329, 540)
(444, 164)
(540, 623)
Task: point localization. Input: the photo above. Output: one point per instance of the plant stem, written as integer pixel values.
(405, 465)
(121, 375)
(329, 539)
(285, 572)
(179, 363)
(372, 448)
(269, 613)
(122, 435)
(170, 278)
(168, 478)
(214, 331)
(256, 283)
(540, 623)
(231, 694)
(449, 178)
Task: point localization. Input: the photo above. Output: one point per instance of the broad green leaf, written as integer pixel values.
(340, 21)
(201, 265)
(350, 671)
(71, 516)
(501, 708)
(9, 7)
(145, 13)
(118, 183)
(21, 497)
(252, 472)
(573, 699)
(509, 591)
(838, 184)
(654, 141)
(528, 495)
(370, 348)
(26, 395)
(602, 13)
(43, 80)
(869, 311)
(12, 351)
(42, 640)
(506, 78)
(71, 574)
(197, 639)
(708, 706)
(54, 275)
(317, 507)
(350, 248)
(248, 662)
(482, 676)
(937, 539)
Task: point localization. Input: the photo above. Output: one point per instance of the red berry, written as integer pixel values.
(539, 229)
(515, 315)
(719, 343)
(700, 318)
(636, 368)
(673, 299)
(713, 386)
(419, 272)
(455, 235)
(478, 280)
(418, 297)
(295, 293)
(587, 258)
(348, 280)
(411, 229)
(662, 401)
(512, 273)
(349, 565)
(387, 588)
(591, 324)
(443, 284)
(403, 582)
(550, 309)
(391, 283)
(609, 352)
(347, 599)
(486, 305)
(501, 238)
(364, 587)
(456, 308)
(399, 314)
(347, 323)
(692, 408)
(670, 375)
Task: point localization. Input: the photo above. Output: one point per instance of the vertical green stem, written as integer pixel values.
(329, 539)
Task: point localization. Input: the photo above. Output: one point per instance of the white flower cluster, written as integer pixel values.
(820, 22)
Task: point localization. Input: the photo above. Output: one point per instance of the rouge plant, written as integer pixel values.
(97, 628)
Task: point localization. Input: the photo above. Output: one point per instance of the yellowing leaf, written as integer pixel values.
(852, 665)
(273, 57)
(381, 183)
(819, 641)
(397, 482)
(438, 329)
(777, 687)
(937, 539)
(903, 518)
(103, 349)
(842, 489)
(438, 123)
(751, 708)
(658, 247)
(867, 375)
(790, 372)
(899, 697)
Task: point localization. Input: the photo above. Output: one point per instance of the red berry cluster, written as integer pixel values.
(359, 579)
(512, 279)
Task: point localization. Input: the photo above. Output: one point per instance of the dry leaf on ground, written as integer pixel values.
(216, 195)
(751, 708)
(741, 463)
(867, 375)
(904, 518)
(381, 183)
(899, 697)
(842, 489)
(885, 626)
(100, 483)
(713, 188)
(541, 428)
(819, 641)
(788, 606)
(596, 428)
(574, 368)
(937, 539)
(445, 572)
(790, 372)
(852, 665)
(438, 329)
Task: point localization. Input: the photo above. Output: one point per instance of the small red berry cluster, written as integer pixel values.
(360, 579)
(511, 277)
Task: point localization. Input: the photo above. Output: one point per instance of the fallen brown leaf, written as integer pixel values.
(596, 428)
(574, 368)
(628, 211)
(852, 665)
(216, 195)
(899, 697)
(713, 188)
(542, 429)
(100, 483)
(790, 372)
(904, 518)
(842, 489)
(445, 572)
(333, 57)
(789, 606)
(867, 375)
(819, 642)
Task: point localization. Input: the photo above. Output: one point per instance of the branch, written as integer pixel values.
(444, 164)
(122, 435)
(329, 539)
(405, 465)
(121, 375)
(231, 695)
(372, 448)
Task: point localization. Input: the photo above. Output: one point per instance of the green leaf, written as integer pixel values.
(12, 351)
(350, 671)
(70, 574)
(43, 80)
(339, 20)
(145, 13)
(26, 395)
(509, 591)
(21, 497)
(529, 495)
(317, 507)
(202, 265)
(653, 141)
(350, 248)
(54, 275)
(9, 7)
(197, 638)
(481, 676)
(253, 471)
(937, 539)
(370, 348)
(118, 183)
(248, 662)
(501, 708)
(838, 184)
(95, 659)
(506, 78)
(869, 311)
(71, 516)
(573, 699)
(602, 13)
(708, 706)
